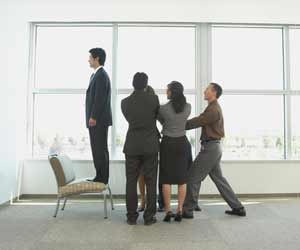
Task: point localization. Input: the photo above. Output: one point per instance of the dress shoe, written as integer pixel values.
(237, 211)
(131, 222)
(197, 209)
(151, 221)
(168, 216)
(94, 180)
(178, 217)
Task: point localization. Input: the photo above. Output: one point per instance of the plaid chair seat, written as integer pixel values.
(67, 184)
(81, 187)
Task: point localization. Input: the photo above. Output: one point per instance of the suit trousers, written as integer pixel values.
(148, 166)
(98, 139)
(206, 163)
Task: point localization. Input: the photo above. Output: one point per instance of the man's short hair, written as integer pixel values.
(217, 88)
(100, 53)
(140, 81)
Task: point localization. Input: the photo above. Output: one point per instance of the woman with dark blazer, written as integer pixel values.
(175, 149)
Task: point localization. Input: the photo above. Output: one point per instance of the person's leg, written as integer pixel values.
(181, 197)
(201, 167)
(142, 191)
(98, 139)
(167, 197)
(197, 207)
(150, 166)
(132, 174)
(224, 188)
(161, 203)
(191, 198)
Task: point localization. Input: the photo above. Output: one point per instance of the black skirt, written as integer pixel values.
(175, 160)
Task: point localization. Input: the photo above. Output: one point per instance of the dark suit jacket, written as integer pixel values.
(98, 98)
(140, 110)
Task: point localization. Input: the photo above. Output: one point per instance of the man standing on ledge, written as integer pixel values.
(98, 114)
(208, 160)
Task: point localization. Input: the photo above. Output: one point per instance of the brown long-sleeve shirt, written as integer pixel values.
(211, 121)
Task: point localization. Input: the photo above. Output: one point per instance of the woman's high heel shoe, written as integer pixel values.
(178, 217)
(168, 217)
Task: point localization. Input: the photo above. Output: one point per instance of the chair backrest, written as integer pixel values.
(62, 168)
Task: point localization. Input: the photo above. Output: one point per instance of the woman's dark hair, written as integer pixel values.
(140, 81)
(100, 53)
(177, 97)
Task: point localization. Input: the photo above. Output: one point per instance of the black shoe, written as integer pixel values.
(197, 209)
(178, 217)
(168, 217)
(185, 215)
(94, 180)
(150, 222)
(131, 222)
(237, 211)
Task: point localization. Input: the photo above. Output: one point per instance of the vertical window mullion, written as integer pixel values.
(114, 89)
(287, 96)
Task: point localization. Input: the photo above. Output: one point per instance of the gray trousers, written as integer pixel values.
(206, 163)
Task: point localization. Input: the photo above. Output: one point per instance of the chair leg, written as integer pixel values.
(64, 205)
(111, 199)
(57, 207)
(105, 206)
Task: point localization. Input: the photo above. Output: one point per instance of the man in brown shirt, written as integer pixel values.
(208, 160)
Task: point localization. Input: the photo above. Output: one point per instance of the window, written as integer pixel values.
(257, 66)
(61, 75)
(62, 55)
(245, 60)
(294, 36)
(295, 104)
(253, 131)
(164, 54)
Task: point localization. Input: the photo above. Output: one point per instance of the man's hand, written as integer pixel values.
(92, 122)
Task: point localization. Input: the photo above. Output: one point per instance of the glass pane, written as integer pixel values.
(121, 130)
(164, 53)
(58, 128)
(295, 127)
(247, 58)
(254, 131)
(62, 55)
(295, 58)
(122, 125)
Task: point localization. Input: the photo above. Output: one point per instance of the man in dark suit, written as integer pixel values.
(98, 113)
(141, 147)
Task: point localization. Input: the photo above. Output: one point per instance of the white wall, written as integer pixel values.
(245, 177)
(15, 16)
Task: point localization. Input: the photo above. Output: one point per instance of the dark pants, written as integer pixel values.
(161, 202)
(135, 165)
(98, 138)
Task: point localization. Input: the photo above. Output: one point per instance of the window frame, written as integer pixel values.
(203, 75)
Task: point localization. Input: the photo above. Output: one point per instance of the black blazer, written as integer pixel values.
(140, 110)
(98, 99)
